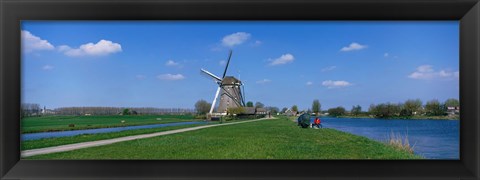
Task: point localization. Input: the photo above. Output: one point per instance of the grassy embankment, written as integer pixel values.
(61, 123)
(49, 142)
(269, 139)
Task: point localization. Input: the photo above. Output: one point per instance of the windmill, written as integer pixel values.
(229, 89)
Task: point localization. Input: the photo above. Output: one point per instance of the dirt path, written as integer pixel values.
(70, 147)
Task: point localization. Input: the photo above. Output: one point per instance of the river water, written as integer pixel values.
(35, 136)
(433, 139)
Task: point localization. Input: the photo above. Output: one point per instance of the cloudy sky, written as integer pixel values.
(157, 63)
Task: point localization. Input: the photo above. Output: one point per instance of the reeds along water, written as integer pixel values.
(400, 142)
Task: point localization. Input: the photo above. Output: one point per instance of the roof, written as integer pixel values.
(229, 80)
(249, 110)
(261, 110)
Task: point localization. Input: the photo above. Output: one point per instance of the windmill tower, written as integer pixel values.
(229, 89)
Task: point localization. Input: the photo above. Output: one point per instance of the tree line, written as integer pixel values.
(412, 108)
(121, 110)
(407, 109)
(31, 109)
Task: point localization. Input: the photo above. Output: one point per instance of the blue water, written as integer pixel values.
(433, 139)
(35, 136)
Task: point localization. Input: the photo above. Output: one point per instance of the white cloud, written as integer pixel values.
(444, 73)
(102, 47)
(47, 67)
(309, 83)
(257, 43)
(264, 81)
(284, 59)
(141, 77)
(222, 62)
(235, 39)
(171, 63)
(171, 77)
(353, 46)
(31, 42)
(425, 68)
(63, 48)
(426, 72)
(388, 55)
(328, 68)
(336, 84)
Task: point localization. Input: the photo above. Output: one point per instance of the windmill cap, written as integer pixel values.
(230, 80)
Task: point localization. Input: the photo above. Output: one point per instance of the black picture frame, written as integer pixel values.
(13, 11)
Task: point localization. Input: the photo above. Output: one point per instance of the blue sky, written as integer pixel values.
(157, 63)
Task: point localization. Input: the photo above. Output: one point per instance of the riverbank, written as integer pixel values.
(69, 123)
(269, 139)
(49, 142)
(76, 146)
(57, 141)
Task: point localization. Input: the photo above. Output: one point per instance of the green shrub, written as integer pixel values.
(201, 116)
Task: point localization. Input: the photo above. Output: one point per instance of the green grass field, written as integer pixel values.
(268, 139)
(49, 142)
(61, 123)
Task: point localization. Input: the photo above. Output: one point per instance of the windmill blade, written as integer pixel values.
(228, 62)
(214, 100)
(243, 95)
(211, 75)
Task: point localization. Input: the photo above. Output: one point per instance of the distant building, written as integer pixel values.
(46, 111)
(261, 111)
(453, 110)
(249, 110)
(254, 111)
(289, 112)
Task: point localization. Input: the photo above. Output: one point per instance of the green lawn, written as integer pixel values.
(60, 123)
(268, 139)
(49, 142)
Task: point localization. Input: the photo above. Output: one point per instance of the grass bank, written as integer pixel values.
(49, 142)
(269, 139)
(61, 123)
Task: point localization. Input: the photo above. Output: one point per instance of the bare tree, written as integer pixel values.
(202, 106)
(316, 106)
(259, 105)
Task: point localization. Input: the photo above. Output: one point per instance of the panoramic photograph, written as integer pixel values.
(215, 90)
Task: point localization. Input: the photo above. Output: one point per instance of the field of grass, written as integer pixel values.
(269, 139)
(49, 142)
(61, 123)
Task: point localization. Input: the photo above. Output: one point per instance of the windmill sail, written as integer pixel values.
(228, 62)
(211, 75)
(214, 100)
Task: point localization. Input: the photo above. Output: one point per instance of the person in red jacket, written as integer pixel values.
(317, 122)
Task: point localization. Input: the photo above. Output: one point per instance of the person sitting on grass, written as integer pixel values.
(304, 120)
(317, 122)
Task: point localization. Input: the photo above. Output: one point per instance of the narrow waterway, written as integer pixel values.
(35, 136)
